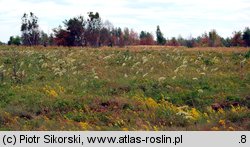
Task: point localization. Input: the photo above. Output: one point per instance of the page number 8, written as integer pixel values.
(243, 139)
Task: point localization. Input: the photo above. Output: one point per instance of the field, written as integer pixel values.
(132, 88)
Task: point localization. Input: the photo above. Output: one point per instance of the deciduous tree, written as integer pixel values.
(214, 39)
(133, 38)
(44, 39)
(173, 42)
(14, 40)
(61, 36)
(146, 38)
(30, 29)
(94, 26)
(237, 39)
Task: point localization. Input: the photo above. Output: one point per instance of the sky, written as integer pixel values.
(175, 17)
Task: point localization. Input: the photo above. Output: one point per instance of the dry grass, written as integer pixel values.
(130, 88)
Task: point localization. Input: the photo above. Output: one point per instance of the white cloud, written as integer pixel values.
(174, 16)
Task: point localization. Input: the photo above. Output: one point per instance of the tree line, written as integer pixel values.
(95, 32)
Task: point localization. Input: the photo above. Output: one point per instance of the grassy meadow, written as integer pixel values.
(131, 88)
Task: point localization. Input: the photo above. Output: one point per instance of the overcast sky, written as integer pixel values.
(175, 17)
